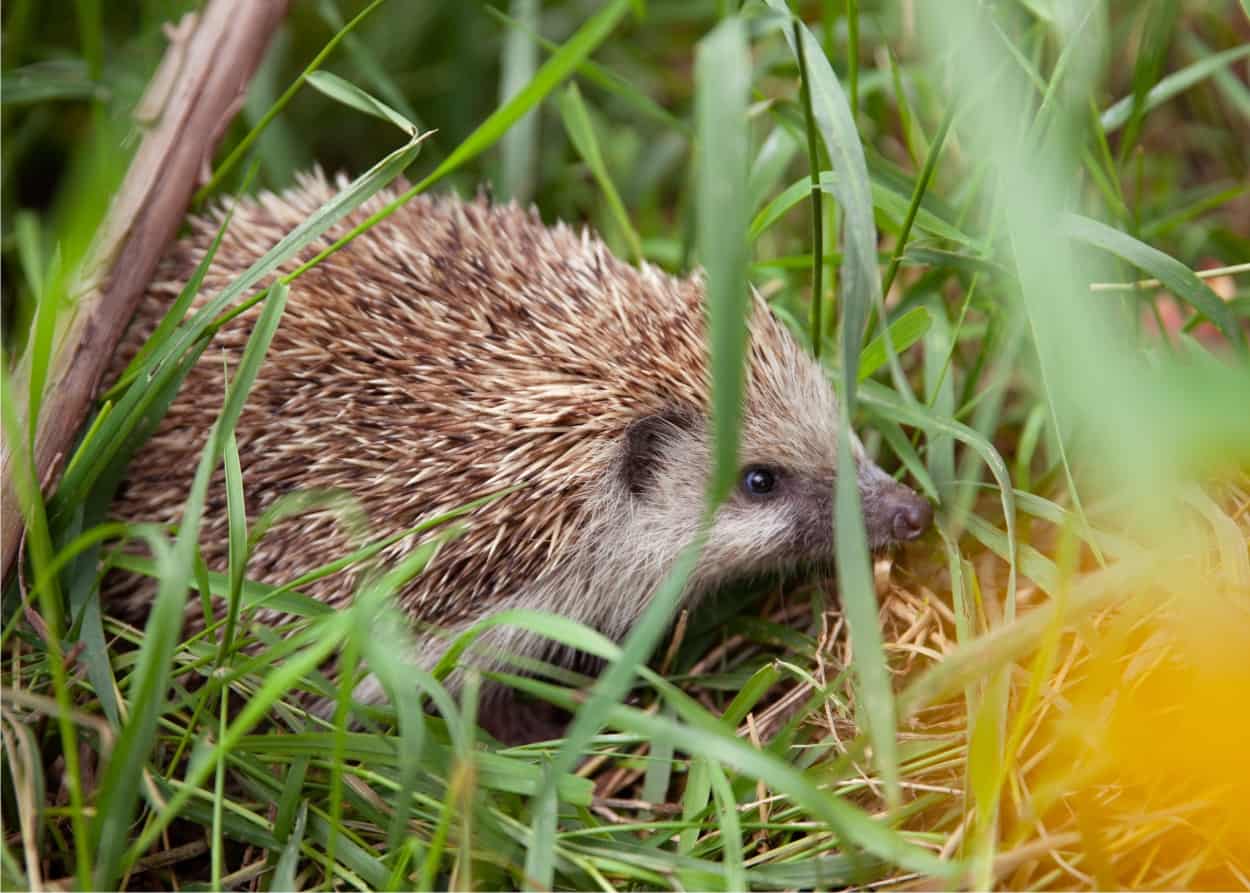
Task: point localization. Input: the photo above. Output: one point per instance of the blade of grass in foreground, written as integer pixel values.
(119, 789)
(861, 290)
(886, 402)
(711, 737)
(39, 545)
(905, 331)
(722, 81)
(816, 333)
(707, 735)
(730, 828)
(236, 514)
(722, 78)
(328, 636)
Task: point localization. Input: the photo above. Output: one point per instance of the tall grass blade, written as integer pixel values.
(581, 132)
(288, 860)
(40, 549)
(733, 860)
(722, 81)
(606, 694)
(518, 62)
(905, 331)
(816, 332)
(861, 290)
(547, 78)
(120, 788)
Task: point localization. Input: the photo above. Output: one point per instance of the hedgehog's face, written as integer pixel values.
(780, 514)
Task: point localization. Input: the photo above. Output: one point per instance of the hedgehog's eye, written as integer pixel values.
(759, 480)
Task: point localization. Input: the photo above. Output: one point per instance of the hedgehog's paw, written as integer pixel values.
(514, 719)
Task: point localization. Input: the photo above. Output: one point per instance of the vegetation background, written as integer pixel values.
(1044, 204)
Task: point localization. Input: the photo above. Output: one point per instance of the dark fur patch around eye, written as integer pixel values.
(643, 449)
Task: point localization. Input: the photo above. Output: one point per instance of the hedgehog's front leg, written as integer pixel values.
(514, 719)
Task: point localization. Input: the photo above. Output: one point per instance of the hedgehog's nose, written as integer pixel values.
(912, 515)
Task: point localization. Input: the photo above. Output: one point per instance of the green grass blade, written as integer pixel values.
(706, 736)
(778, 206)
(1157, 30)
(352, 96)
(40, 550)
(887, 403)
(940, 396)
(331, 632)
(1174, 275)
(581, 132)
(1173, 85)
(47, 310)
(365, 59)
(120, 788)
(922, 186)
(730, 828)
(53, 80)
(90, 28)
(722, 80)
(904, 332)
(816, 332)
(906, 453)
(897, 205)
(249, 365)
(769, 166)
(852, 55)
(861, 291)
(236, 517)
(518, 148)
(176, 312)
(875, 704)
(284, 871)
(604, 696)
(121, 779)
(603, 78)
(694, 801)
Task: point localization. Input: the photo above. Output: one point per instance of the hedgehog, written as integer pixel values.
(460, 348)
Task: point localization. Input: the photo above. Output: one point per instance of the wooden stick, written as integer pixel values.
(191, 99)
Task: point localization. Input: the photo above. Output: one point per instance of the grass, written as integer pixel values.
(1003, 259)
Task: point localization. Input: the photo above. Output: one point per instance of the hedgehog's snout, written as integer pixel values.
(894, 513)
(911, 514)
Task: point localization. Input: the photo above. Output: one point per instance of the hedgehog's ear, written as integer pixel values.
(645, 442)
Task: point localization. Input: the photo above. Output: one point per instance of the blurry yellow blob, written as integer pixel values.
(1149, 748)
